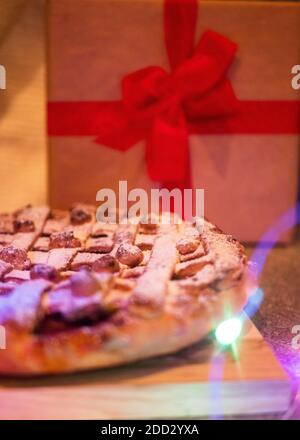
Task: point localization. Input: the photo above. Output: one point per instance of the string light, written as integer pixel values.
(228, 331)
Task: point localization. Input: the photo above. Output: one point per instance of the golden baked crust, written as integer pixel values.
(81, 295)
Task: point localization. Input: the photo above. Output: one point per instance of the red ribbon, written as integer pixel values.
(164, 108)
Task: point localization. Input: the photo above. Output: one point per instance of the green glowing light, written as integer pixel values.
(228, 331)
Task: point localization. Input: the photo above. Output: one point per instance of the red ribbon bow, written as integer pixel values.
(163, 108)
(156, 105)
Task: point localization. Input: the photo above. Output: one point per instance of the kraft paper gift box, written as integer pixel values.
(246, 160)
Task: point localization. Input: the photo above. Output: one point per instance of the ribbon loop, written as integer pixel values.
(143, 87)
(218, 47)
(206, 68)
(210, 105)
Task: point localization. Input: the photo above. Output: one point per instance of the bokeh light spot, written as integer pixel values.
(228, 331)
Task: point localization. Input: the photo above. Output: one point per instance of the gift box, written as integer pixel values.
(176, 94)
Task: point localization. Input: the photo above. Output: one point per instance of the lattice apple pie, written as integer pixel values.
(78, 294)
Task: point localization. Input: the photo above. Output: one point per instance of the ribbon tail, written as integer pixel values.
(220, 101)
(167, 147)
(167, 153)
(168, 157)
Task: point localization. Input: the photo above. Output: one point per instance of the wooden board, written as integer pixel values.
(195, 383)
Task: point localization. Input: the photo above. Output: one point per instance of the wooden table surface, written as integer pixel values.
(199, 382)
(280, 310)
